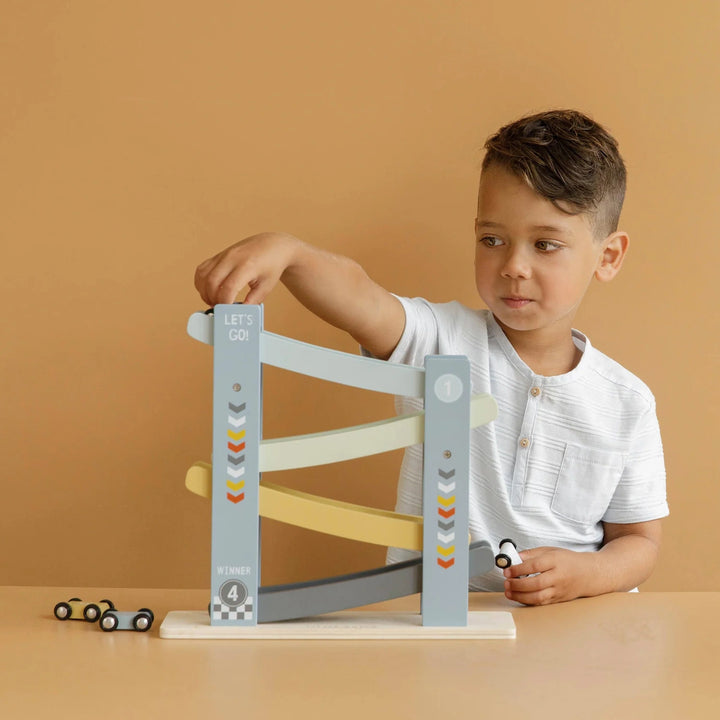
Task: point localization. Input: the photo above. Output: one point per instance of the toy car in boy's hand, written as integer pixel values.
(140, 621)
(76, 609)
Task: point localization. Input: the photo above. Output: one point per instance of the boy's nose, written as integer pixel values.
(516, 264)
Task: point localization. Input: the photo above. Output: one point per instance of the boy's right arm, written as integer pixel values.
(333, 287)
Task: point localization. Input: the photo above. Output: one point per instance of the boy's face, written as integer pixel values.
(533, 262)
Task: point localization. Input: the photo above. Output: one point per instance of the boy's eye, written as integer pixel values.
(547, 245)
(490, 241)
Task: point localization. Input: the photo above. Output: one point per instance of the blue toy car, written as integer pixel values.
(140, 621)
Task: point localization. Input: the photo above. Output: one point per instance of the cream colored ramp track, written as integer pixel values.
(359, 441)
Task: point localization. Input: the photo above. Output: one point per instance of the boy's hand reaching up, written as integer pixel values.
(257, 262)
(333, 287)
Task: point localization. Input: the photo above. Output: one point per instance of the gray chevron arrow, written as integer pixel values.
(236, 460)
(446, 526)
(236, 408)
(447, 474)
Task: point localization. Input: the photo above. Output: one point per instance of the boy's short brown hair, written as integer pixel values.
(567, 158)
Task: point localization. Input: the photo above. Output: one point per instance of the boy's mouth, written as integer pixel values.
(515, 301)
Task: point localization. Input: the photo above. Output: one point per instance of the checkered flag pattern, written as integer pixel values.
(224, 612)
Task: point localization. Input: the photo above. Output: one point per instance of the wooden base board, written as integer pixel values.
(354, 625)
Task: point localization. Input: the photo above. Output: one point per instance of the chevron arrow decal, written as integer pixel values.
(236, 419)
(446, 551)
(446, 500)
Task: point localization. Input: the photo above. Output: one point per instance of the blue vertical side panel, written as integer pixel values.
(446, 467)
(237, 430)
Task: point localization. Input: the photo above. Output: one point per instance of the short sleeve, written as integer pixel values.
(641, 493)
(420, 336)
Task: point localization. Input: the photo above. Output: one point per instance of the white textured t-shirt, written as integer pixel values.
(565, 453)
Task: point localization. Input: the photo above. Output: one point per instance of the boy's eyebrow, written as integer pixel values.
(490, 225)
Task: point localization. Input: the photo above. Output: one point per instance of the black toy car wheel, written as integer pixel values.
(62, 611)
(142, 622)
(109, 602)
(149, 612)
(109, 621)
(91, 612)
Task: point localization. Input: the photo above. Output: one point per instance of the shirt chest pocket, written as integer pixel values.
(586, 482)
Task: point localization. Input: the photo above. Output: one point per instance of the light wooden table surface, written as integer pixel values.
(634, 656)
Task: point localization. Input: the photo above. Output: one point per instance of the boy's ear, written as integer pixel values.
(614, 248)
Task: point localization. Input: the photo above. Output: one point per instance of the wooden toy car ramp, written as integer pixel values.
(239, 498)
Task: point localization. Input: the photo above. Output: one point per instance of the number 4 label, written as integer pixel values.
(233, 593)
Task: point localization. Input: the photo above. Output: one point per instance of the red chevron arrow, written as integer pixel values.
(446, 563)
(446, 513)
(236, 448)
(236, 498)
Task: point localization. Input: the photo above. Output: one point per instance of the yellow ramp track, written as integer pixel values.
(355, 522)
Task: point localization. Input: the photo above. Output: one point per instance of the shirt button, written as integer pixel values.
(535, 391)
(525, 442)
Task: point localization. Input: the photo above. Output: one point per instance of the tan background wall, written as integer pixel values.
(137, 138)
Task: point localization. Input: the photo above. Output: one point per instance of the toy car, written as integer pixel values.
(508, 554)
(76, 609)
(113, 619)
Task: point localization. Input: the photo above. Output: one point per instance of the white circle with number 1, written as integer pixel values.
(448, 388)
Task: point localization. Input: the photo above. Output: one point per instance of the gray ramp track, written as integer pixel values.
(308, 599)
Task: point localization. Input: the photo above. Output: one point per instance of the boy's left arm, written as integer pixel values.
(626, 559)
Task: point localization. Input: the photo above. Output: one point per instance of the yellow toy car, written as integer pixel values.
(76, 609)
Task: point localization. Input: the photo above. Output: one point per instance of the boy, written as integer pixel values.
(572, 467)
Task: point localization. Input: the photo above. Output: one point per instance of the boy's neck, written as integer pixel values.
(546, 352)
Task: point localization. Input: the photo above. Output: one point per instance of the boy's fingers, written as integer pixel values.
(221, 284)
(533, 562)
(532, 553)
(208, 276)
(526, 583)
(537, 597)
(259, 291)
(534, 590)
(519, 571)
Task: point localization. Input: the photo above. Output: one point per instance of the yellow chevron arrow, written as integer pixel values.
(446, 551)
(235, 485)
(236, 435)
(447, 502)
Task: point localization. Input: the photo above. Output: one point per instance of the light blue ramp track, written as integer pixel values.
(323, 363)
